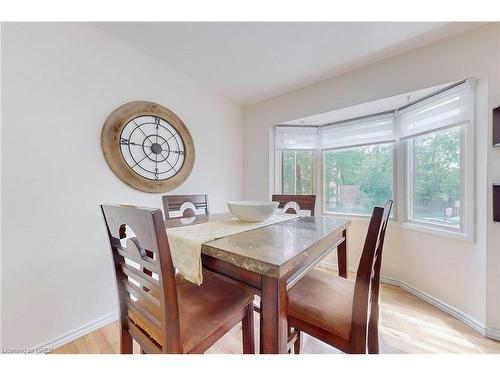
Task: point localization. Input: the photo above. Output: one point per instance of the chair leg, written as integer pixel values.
(342, 256)
(248, 330)
(373, 339)
(126, 342)
(297, 343)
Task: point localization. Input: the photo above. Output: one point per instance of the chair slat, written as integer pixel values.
(149, 264)
(145, 318)
(144, 302)
(145, 342)
(147, 295)
(173, 203)
(305, 202)
(140, 277)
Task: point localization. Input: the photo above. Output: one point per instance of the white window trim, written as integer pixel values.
(401, 193)
(278, 168)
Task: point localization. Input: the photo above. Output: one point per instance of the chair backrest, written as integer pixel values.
(145, 277)
(366, 289)
(184, 205)
(292, 204)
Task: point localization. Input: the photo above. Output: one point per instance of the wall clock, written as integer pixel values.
(147, 146)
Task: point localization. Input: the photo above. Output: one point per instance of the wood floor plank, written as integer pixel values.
(407, 325)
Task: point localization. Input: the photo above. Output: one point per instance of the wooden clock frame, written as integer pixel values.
(110, 144)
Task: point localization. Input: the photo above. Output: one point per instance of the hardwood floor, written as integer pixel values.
(408, 325)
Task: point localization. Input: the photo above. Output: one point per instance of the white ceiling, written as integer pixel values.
(250, 62)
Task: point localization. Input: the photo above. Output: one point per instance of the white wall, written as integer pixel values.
(60, 81)
(464, 275)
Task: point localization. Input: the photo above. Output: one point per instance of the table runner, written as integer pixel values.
(185, 242)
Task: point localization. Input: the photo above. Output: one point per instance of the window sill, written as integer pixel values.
(410, 225)
(347, 216)
(441, 232)
(357, 217)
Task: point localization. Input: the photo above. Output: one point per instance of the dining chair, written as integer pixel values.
(341, 312)
(160, 310)
(293, 204)
(184, 205)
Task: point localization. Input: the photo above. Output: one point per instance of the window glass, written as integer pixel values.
(436, 177)
(358, 178)
(297, 176)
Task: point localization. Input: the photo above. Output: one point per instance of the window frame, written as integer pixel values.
(464, 231)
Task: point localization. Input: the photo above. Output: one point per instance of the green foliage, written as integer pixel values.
(358, 178)
(297, 172)
(368, 168)
(437, 173)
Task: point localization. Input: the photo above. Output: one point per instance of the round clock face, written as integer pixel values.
(147, 146)
(152, 147)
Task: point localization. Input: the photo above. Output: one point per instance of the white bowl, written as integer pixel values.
(252, 211)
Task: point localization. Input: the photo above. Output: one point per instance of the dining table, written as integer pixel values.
(269, 260)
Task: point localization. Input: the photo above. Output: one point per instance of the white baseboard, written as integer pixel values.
(79, 332)
(456, 313)
(492, 333)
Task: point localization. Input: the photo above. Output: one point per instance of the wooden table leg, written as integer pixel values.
(342, 256)
(273, 321)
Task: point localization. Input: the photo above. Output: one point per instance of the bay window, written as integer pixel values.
(423, 151)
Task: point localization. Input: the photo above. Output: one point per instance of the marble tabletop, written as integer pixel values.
(273, 250)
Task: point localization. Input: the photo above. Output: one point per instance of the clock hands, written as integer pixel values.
(163, 154)
(157, 122)
(126, 142)
(156, 167)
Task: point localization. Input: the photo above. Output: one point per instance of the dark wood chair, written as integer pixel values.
(304, 202)
(338, 311)
(185, 205)
(163, 312)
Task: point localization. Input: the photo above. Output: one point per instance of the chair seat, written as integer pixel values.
(324, 301)
(203, 309)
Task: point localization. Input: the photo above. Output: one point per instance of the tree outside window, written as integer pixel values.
(297, 177)
(358, 178)
(436, 177)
